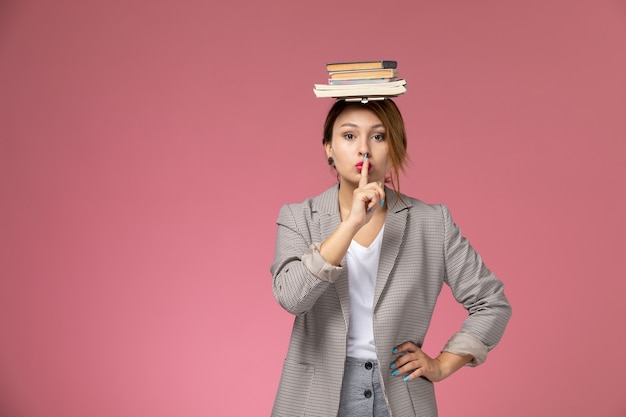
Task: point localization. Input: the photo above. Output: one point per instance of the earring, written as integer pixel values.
(331, 161)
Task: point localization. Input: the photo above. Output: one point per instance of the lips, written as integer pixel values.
(359, 166)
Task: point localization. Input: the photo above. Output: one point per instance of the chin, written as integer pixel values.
(348, 180)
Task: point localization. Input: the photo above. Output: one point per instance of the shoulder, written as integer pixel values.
(418, 207)
(291, 212)
(422, 214)
(324, 202)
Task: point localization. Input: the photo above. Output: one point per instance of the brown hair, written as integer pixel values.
(388, 113)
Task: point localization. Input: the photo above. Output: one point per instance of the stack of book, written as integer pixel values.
(362, 81)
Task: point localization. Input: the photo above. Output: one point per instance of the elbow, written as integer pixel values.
(286, 300)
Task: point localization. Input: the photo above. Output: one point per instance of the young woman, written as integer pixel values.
(361, 267)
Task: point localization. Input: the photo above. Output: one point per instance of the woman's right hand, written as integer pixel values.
(366, 199)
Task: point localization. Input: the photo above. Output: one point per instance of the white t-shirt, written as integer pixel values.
(362, 265)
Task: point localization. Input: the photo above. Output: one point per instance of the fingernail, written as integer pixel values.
(394, 350)
(407, 378)
(394, 373)
(393, 365)
(382, 202)
(364, 157)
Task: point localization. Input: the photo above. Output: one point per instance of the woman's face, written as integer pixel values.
(358, 131)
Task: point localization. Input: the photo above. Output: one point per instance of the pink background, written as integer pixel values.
(147, 146)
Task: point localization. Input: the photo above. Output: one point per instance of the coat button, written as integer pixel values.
(367, 393)
(368, 365)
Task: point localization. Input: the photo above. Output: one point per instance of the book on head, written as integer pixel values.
(392, 88)
(360, 65)
(363, 74)
(373, 80)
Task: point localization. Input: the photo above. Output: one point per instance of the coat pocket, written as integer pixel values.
(293, 390)
(422, 395)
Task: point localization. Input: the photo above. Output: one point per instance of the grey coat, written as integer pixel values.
(422, 248)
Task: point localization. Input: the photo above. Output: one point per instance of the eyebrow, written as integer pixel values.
(350, 124)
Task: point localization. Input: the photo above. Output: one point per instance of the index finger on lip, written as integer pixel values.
(364, 170)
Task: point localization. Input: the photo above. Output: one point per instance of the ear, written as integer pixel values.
(328, 146)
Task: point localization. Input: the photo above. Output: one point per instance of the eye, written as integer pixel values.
(379, 137)
(349, 136)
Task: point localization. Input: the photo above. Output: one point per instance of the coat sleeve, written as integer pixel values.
(300, 274)
(479, 291)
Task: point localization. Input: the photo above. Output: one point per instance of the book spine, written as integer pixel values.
(346, 66)
(363, 75)
(361, 81)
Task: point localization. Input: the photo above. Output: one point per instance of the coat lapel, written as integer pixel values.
(327, 207)
(395, 225)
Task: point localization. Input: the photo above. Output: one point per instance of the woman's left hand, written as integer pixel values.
(415, 363)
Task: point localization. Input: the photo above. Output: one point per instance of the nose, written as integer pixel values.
(364, 148)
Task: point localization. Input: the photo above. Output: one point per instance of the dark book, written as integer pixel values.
(360, 65)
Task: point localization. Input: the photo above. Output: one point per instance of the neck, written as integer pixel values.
(346, 191)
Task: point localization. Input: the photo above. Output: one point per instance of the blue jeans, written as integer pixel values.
(361, 392)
